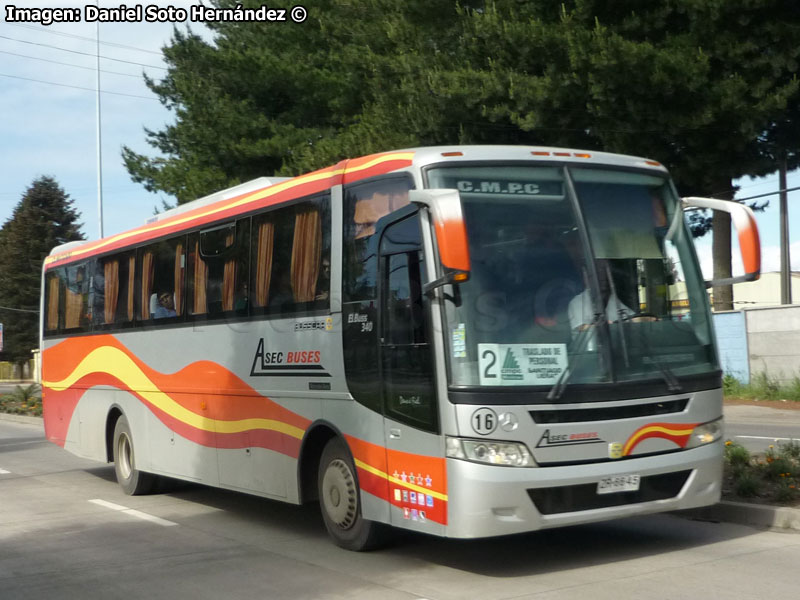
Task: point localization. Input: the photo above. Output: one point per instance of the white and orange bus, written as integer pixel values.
(463, 341)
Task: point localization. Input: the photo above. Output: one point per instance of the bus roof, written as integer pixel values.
(268, 191)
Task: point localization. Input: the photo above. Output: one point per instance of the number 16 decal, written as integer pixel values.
(489, 364)
(484, 421)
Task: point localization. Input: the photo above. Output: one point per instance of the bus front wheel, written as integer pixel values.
(340, 503)
(132, 481)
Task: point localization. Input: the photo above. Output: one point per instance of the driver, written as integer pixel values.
(581, 309)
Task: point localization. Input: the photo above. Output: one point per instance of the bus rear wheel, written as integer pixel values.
(340, 503)
(132, 481)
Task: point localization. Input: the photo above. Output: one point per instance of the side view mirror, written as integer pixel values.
(451, 234)
(749, 242)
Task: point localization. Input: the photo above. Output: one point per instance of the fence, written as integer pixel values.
(760, 340)
(12, 371)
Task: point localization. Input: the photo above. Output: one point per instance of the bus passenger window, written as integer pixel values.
(52, 289)
(291, 247)
(75, 316)
(162, 272)
(111, 290)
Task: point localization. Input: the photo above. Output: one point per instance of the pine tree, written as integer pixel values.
(44, 218)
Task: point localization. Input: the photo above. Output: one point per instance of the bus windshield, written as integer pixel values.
(579, 276)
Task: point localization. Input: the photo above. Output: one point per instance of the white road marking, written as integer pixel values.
(762, 437)
(4, 472)
(133, 512)
(110, 505)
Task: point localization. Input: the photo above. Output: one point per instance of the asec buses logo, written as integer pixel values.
(287, 363)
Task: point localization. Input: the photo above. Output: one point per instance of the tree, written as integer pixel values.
(695, 84)
(44, 218)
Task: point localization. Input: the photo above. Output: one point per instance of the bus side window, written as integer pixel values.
(218, 269)
(290, 252)
(53, 287)
(161, 278)
(76, 298)
(364, 204)
(111, 292)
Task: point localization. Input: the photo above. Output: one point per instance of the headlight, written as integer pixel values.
(509, 454)
(705, 434)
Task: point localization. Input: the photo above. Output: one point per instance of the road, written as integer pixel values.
(67, 532)
(757, 427)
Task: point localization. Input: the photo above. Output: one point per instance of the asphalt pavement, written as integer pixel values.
(755, 427)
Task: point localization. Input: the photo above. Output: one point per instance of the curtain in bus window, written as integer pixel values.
(111, 277)
(178, 279)
(131, 279)
(52, 303)
(228, 276)
(147, 283)
(74, 298)
(266, 237)
(200, 303)
(306, 252)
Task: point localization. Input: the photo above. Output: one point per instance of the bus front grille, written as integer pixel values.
(580, 415)
(571, 498)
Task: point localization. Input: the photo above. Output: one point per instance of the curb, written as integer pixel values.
(782, 518)
(22, 419)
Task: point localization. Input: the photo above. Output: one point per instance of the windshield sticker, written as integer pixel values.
(460, 341)
(521, 364)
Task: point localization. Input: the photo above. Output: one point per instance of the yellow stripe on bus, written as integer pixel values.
(658, 429)
(417, 488)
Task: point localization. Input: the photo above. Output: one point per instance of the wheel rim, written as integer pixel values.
(124, 456)
(339, 498)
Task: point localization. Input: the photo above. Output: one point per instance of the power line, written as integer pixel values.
(57, 62)
(130, 62)
(77, 87)
(23, 310)
(82, 37)
(775, 193)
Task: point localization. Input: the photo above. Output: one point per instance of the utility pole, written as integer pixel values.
(786, 265)
(99, 138)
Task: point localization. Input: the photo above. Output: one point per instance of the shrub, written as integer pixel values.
(786, 491)
(747, 485)
(736, 455)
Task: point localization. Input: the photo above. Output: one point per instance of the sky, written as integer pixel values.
(48, 126)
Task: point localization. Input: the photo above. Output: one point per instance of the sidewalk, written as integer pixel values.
(762, 415)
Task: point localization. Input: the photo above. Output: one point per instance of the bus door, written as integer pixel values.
(411, 422)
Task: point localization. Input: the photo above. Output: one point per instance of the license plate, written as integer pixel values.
(618, 483)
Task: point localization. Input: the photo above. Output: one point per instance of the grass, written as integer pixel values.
(25, 400)
(762, 387)
(770, 478)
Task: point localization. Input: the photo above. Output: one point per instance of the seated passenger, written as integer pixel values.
(166, 306)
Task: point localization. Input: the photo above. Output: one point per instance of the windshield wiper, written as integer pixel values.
(580, 344)
(673, 385)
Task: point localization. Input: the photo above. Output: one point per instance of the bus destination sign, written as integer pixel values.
(508, 187)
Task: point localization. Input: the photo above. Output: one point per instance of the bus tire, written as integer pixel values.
(132, 481)
(340, 503)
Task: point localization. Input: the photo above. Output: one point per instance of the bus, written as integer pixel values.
(463, 341)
